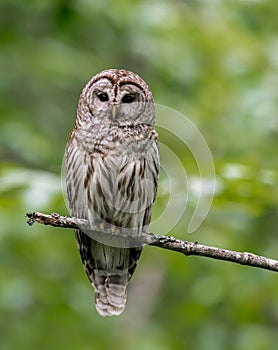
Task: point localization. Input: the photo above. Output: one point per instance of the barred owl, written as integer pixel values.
(112, 165)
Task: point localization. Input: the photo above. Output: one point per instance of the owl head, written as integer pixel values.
(116, 97)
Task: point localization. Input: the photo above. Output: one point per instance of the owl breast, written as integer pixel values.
(119, 180)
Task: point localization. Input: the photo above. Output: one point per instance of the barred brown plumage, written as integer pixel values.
(112, 165)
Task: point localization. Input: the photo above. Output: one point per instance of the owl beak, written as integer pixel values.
(114, 112)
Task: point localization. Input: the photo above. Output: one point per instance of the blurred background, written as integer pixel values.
(216, 62)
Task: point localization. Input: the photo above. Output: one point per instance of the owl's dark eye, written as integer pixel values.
(129, 98)
(102, 96)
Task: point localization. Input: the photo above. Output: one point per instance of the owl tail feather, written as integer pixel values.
(110, 294)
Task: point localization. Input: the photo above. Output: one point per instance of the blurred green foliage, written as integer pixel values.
(214, 61)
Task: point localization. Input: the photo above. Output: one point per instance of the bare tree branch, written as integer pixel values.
(166, 242)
